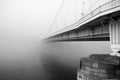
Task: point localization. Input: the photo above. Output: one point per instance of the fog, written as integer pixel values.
(69, 53)
(20, 58)
(20, 38)
(23, 24)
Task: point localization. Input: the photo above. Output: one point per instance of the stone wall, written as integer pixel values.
(99, 67)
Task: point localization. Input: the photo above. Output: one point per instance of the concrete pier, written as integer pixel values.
(99, 67)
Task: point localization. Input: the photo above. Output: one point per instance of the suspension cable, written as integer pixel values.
(93, 4)
(55, 17)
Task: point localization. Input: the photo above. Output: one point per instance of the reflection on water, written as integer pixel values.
(57, 61)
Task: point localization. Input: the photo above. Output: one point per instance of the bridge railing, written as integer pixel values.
(102, 8)
(107, 6)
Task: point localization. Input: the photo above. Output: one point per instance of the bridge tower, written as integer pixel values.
(114, 27)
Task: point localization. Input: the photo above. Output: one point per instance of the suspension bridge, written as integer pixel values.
(100, 24)
(103, 23)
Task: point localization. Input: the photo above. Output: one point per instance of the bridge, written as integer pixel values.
(103, 23)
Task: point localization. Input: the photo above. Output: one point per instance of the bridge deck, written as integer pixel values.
(93, 24)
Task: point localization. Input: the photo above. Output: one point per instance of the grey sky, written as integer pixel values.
(34, 17)
(27, 17)
(24, 22)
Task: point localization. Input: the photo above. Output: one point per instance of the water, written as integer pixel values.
(46, 61)
(66, 55)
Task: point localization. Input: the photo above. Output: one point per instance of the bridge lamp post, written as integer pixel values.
(114, 27)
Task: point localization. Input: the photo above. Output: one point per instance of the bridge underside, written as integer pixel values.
(96, 29)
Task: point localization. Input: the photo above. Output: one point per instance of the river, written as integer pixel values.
(47, 61)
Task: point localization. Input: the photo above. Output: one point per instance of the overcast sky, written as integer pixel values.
(27, 17)
(24, 22)
(34, 17)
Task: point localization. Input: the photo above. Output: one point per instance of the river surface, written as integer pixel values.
(50, 61)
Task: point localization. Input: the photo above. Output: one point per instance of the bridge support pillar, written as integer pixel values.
(99, 67)
(114, 29)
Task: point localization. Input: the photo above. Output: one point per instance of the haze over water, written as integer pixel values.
(23, 56)
(30, 59)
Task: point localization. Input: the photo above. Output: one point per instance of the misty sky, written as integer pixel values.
(24, 22)
(27, 17)
(34, 17)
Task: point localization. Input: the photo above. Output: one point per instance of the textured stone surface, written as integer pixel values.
(98, 64)
(105, 57)
(97, 70)
(100, 67)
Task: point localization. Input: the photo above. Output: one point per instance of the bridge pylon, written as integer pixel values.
(114, 27)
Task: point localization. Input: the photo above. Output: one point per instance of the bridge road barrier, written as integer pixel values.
(99, 67)
(82, 33)
(79, 33)
(87, 33)
(59, 37)
(55, 38)
(95, 32)
(98, 30)
(73, 35)
(64, 36)
(67, 36)
(105, 29)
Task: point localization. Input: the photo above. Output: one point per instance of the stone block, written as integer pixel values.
(97, 70)
(106, 58)
(100, 67)
(98, 64)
